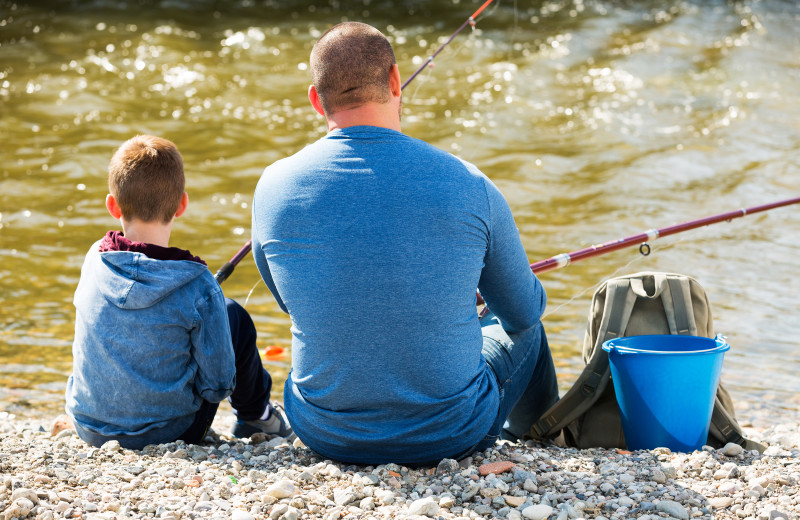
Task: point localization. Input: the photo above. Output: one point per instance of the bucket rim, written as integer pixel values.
(721, 345)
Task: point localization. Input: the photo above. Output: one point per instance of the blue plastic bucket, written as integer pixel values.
(665, 387)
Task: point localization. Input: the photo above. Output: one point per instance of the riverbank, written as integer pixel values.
(53, 477)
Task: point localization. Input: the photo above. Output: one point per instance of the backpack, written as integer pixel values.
(633, 305)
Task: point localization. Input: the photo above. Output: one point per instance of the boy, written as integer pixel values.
(157, 346)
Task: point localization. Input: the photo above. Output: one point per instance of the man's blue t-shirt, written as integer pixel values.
(374, 243)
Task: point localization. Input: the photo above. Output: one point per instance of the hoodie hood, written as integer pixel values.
(130, 279)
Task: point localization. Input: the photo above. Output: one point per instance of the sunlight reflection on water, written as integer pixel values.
(597, 119)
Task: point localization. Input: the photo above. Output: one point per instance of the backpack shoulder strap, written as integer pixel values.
(724, 424)
(674, 292)
(680, 314)
(725, 428)
(595, 376)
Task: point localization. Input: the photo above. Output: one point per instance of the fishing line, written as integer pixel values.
(635, 259)
(413, 96)
(429, 63)
(472, 20)
(513, 32)
(251, 291)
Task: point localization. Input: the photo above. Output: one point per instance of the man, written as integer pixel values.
(374, 243)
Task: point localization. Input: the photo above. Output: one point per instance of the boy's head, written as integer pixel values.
(146, 178)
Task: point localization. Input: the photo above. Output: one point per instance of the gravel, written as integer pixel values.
(50, 477)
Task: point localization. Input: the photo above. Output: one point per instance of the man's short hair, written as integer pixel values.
(350, 66)
(146, 178)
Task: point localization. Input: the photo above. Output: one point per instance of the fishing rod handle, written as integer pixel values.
(224, 272)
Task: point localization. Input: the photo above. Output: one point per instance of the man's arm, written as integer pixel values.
(266, 274)
(507, 284)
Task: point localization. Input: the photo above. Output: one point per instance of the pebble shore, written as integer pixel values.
(49, 477)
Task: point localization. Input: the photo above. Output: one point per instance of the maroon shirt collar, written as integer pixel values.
(116, 241)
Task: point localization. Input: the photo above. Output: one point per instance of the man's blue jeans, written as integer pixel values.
(526, 376)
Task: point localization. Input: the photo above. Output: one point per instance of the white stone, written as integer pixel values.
(447, 501)
(342, 497)
(18, 509)
(669, 471)
(282, 489)
(424, 507)
(537, 512)
(111, 446)
(332, 471)
(626, 501)
(238, 514)
(732, 450)
(25, 493)
(673, 509)
(367, 504)
(385, 496)
(278, 511)
(720, 502)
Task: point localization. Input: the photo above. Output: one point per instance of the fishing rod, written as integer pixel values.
(565, 259)
(468, 21)
(227, 269)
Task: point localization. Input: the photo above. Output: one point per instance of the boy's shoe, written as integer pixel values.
(276, 424)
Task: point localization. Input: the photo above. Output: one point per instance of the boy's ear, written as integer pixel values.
(182, 206)
(113, 207)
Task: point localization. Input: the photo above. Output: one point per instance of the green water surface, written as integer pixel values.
(597, 120)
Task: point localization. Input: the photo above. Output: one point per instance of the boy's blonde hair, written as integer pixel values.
(146, 178)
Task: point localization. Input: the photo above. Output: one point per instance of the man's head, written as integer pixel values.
(146, 179)
(350, 66)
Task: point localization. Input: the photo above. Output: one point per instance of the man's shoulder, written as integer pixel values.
(298, 161)
(429, 151)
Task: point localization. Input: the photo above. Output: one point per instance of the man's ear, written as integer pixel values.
(395, 84)
(113, 207)
(182, 206)
(313, 96)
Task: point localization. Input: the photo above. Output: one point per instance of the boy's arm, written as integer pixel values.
(212, 350)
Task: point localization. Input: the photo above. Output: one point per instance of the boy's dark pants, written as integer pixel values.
(253, 383)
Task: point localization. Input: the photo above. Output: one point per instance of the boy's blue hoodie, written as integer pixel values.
(152, 340)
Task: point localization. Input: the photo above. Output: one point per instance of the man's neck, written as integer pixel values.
(370, 114)
(156, 233)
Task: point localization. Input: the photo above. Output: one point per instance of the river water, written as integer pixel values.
(597, 120)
